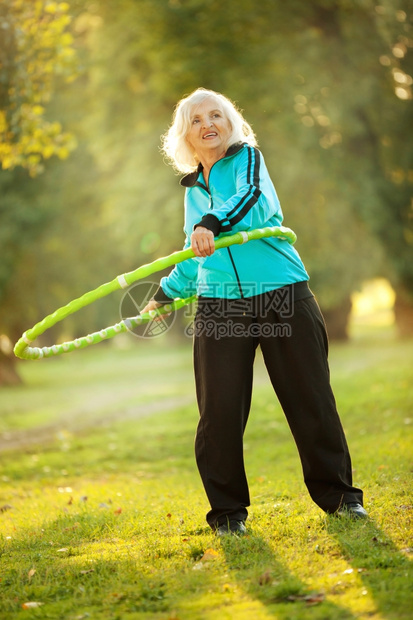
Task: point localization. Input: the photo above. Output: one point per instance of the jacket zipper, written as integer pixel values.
(211, 207)
(236, 273)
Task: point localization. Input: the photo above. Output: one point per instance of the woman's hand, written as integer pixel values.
(202, 241)
(152, 305)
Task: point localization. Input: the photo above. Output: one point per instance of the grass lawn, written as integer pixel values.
(103, 513)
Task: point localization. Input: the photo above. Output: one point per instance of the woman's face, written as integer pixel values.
(209, 130)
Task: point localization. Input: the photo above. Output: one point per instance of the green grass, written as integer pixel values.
(105, 517)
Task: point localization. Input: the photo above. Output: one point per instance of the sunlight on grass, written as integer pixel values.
(107, 520)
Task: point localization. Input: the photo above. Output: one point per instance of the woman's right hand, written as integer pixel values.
(202, 241)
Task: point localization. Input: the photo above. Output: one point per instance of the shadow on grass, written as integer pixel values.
(383, 568)
(89, 565)
(270, 582)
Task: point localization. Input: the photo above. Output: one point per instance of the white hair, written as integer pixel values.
(174, 143)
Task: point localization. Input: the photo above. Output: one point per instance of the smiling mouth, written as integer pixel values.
(212, 134)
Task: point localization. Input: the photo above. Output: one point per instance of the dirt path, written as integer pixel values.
(21, 439)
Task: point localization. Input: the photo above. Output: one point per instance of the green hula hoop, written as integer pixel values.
(23, 350)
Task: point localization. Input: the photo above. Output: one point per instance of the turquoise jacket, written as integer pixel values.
(241, 196)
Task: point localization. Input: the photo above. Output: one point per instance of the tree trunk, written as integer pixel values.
(403, 310)
(337, 320)
(8, 370)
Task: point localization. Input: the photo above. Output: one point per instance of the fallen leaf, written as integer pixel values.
(169, 515)
(5, 508)
(315, 598)
(210, 554)
(264, 578)
(31, 605)
(117, 511)
(83, 498)
(62, 550)
(31, 572)
(70, 502)
(311, 599)
(86, 572)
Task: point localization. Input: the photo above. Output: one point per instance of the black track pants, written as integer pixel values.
(295, 352)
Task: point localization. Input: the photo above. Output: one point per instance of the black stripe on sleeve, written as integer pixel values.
(253, 193)
(249, 165)
(248, 205)
(238, 205)
(257, 168)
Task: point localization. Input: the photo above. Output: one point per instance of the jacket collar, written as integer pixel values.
(191, 179)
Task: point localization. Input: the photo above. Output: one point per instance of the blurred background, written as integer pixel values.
(88, 87)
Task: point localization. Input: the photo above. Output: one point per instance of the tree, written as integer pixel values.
(325, 84)
(262, 55)
(37, 48)
(359, 106)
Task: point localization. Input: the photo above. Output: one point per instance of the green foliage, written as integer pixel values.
(370, 45)
(37, 48)
(294, 70)
(326, 86)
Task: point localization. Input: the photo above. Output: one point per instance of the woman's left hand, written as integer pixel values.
(202, 241)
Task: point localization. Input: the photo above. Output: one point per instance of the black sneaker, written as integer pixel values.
(231, 527)
(353, 509)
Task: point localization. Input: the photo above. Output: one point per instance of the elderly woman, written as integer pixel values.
(251, 295)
